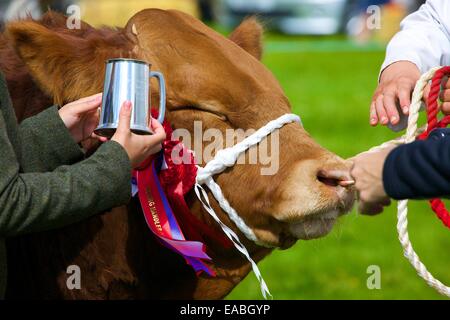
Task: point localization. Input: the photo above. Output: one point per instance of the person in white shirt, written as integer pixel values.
(422, 43)
(418, 169)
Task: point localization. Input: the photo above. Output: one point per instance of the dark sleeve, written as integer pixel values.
(46, 143)
(31, 202)
(418, 170)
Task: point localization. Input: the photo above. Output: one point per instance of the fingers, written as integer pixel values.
(388, 96)
(446, 108)
(386, 202)
(89, 144)
(381, 112)
(446, 84)
(99, 138)
(384, 107)
(86, 104)
(373, 115)
(155, 139)
(391, 107)
(124, 118)
(404, 97)
(85, 99)
(370, 209)
(444, 96)
(155, 124)
(158, 129)
(153, 142)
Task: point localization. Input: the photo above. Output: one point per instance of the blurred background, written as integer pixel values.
(293, 17)
(326, 55)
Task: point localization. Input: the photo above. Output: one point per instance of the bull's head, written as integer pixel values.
(217, 80)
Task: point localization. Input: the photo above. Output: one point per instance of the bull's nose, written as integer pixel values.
(335, 177)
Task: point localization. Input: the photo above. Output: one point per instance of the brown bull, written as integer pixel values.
(211, 78)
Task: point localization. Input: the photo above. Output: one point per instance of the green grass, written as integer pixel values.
(331, 88)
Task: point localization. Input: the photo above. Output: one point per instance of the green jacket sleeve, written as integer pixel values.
(31, 202)
(45, 143)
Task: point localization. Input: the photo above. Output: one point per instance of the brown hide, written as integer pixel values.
(119, 259)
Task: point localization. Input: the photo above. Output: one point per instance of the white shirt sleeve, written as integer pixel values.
(424, 38)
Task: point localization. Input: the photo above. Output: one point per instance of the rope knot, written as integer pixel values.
(202, 175)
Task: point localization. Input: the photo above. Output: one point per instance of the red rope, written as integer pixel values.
(437, 205)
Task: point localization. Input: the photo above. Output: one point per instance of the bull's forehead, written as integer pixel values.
(205, 69)
(172, 39)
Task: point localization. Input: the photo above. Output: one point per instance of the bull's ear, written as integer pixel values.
(65, 66)
(248, 35)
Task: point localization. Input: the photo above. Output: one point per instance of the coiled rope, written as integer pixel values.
(436, 75)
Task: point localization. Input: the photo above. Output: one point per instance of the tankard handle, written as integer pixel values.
(162, 94)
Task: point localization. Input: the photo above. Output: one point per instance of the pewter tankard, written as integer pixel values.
(129, 80)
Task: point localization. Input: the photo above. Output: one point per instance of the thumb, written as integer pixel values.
(125, 117)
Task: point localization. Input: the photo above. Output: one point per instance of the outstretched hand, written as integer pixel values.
(396, 85)
(368, 174)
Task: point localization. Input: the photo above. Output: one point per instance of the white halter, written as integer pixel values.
(227, 158)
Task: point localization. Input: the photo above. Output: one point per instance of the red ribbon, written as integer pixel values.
(162, 195)
(177, 181)
(161, 220)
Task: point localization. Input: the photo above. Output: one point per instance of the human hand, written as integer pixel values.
(444, 96)
(138, 147)
(368, 174)
(397, 82)
(81, 117)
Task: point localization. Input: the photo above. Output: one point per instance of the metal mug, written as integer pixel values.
(129, 80)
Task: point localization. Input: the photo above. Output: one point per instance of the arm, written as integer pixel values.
(418, 170)
(424, 37)
(46, 143)
(422, 43)
(39, 201)
(42, 142)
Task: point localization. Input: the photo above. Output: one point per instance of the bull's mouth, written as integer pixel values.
(314, 226)
(318, 224)
(297, 224)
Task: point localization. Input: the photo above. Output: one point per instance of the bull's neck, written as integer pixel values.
(230, 265)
